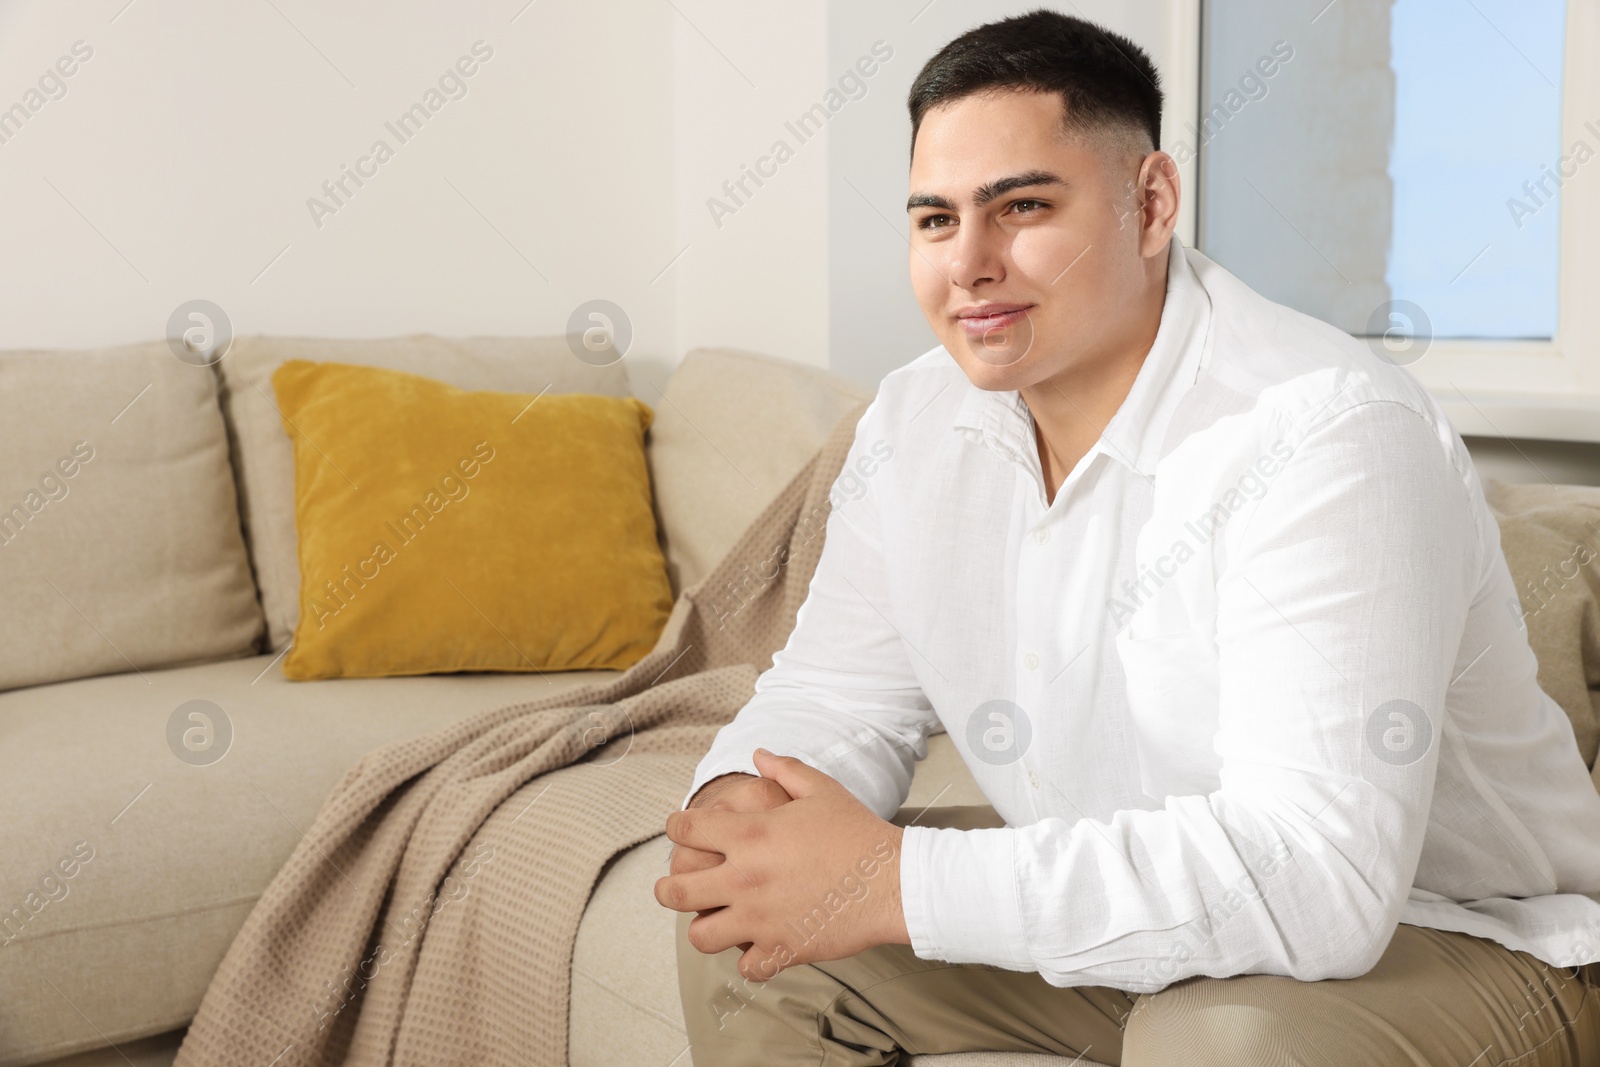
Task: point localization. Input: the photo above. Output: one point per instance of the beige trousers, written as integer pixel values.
(1433, 999)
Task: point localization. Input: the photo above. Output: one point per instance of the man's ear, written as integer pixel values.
(1160, 196)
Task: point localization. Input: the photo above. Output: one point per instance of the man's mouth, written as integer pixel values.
(982, 318)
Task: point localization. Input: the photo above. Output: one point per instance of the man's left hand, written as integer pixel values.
(815, 879)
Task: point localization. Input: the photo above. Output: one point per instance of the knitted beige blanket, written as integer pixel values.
(428, 916)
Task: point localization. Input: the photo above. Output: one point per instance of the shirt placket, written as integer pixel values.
(1014, 434)
(1031, 669)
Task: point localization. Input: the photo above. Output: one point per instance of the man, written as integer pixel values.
(1209, 600)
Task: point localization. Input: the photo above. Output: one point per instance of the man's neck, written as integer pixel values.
(1071, 409)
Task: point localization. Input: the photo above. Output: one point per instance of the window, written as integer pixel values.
(1424, 173)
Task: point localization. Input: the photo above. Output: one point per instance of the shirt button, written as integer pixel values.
(1033, 779)
(1031, 661)
(1041, 536)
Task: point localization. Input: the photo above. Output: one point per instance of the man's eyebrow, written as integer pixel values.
(988, 191)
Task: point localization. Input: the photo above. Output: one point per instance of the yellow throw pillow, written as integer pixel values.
(444, 530)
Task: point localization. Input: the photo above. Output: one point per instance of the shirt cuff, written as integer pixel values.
(705, 774)
(958, 890)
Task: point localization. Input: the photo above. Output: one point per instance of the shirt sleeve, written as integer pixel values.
(1340, 610)
(842, 695)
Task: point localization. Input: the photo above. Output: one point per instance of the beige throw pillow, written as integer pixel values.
(120, 547)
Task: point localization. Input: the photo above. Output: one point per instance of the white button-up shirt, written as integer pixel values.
(1252, 689)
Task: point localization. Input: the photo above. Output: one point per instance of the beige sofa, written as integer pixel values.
(161, 571)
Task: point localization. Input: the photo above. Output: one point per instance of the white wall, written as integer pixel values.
(180, 160)
(582, 163)
(756, 278)
(577, 166)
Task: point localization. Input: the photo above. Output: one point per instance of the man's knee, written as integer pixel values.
(731, 1019)
(1209, 1022)
(711, 988)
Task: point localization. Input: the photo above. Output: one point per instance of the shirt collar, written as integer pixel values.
(1135, 433)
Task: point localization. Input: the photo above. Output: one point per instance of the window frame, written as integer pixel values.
(1549, 389)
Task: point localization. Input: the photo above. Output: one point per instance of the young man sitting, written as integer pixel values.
(1209, 600)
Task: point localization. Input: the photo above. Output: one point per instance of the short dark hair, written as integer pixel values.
(1105, 81)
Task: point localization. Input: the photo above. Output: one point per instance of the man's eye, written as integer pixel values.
(1023, 206)
(934, 222)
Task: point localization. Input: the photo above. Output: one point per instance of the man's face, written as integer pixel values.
(1066, 244)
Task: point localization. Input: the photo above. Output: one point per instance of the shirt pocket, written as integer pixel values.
(1169, 664)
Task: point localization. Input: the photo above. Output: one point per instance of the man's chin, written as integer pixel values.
(999, 361)
(996, 377)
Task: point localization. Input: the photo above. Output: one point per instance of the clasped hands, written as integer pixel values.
(790, 867)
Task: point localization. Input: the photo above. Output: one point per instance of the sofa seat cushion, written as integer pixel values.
(157, 1051)
(115, 779)
(625, 1004)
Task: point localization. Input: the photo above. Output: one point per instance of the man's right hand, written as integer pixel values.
(727, 792)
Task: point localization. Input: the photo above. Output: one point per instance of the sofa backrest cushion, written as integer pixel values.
(264, 458)
(120, 546)
(1550, 535)
(731, 429)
